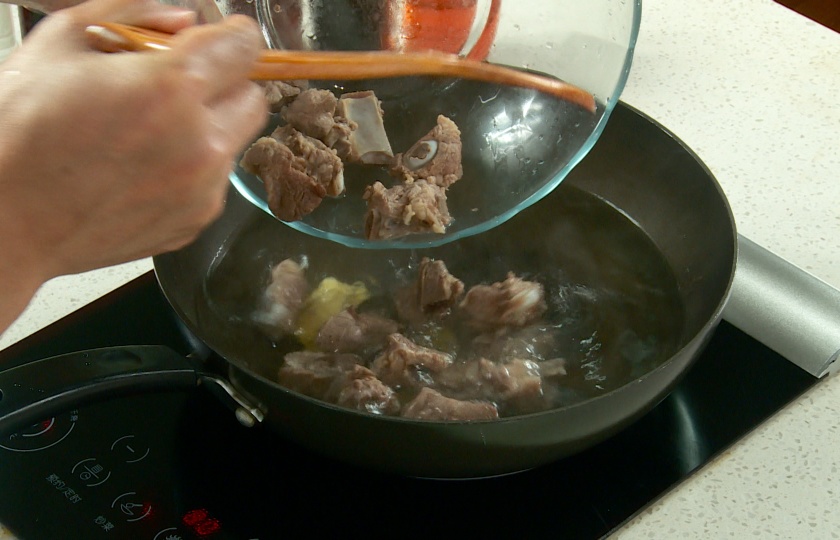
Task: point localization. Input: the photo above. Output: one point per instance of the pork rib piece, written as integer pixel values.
(281, 93)
(298, 171)
(432, 294)
(360, 389)
(516, 382)
(436, 157)
(403, 363)
(432, 405)
(313, 113)
(322, 162)
(291, 193)
(512, 302)
(536, 342)
(282, 299)
(418, 207)
(313, 373)
(350, 331)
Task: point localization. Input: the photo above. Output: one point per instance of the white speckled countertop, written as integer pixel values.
(752, 88)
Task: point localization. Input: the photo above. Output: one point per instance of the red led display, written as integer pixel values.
(201, 522)
(207, 527)
(193, 517)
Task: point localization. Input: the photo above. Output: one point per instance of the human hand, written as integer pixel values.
(106, 158)
(44, 6)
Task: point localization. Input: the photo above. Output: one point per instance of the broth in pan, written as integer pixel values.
(513, 321)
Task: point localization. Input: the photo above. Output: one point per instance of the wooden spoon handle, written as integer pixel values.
(321, 65)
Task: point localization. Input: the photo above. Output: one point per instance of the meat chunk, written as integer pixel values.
(432, 294)
(281, 93)
(418, 207)
(535, 342)
(292, 194)
(313, 373)
(313, 114)
(350, 331)
(515, 380)
(282, 299)
(322, 163)
(438, 290)
(403, 363)
(298, 171)
(517, 383)
(368, 142)
(512, 302)
(436, 157)
(432, 405)
(360, 389)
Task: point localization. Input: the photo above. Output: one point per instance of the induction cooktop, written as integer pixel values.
(176, 465)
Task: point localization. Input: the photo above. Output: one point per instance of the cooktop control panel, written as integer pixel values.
(83, 471)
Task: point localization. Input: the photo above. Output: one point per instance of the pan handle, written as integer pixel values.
(36, 390)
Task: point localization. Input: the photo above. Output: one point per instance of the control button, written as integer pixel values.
(129, 449)
(42, 435)
(168, 534)
(128, 504)
(88, 470)
(39, 429)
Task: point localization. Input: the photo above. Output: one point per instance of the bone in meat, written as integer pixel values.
(436, 157)
(368, 143)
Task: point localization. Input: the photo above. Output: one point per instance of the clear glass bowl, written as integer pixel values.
(518, 144)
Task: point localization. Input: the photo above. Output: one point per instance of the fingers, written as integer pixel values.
(239, 115)
(219, 56)
(147, 13)
(208, 67)
(237, 120)
(170, 20)
(193, 107)
(215, 56)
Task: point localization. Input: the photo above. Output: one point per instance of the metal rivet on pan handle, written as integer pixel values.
(247, 413)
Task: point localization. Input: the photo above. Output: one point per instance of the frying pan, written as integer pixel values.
(637, 166)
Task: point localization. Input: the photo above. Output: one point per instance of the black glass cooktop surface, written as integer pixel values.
(176, 465)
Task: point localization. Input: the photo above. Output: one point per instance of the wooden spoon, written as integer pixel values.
(320, 65)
